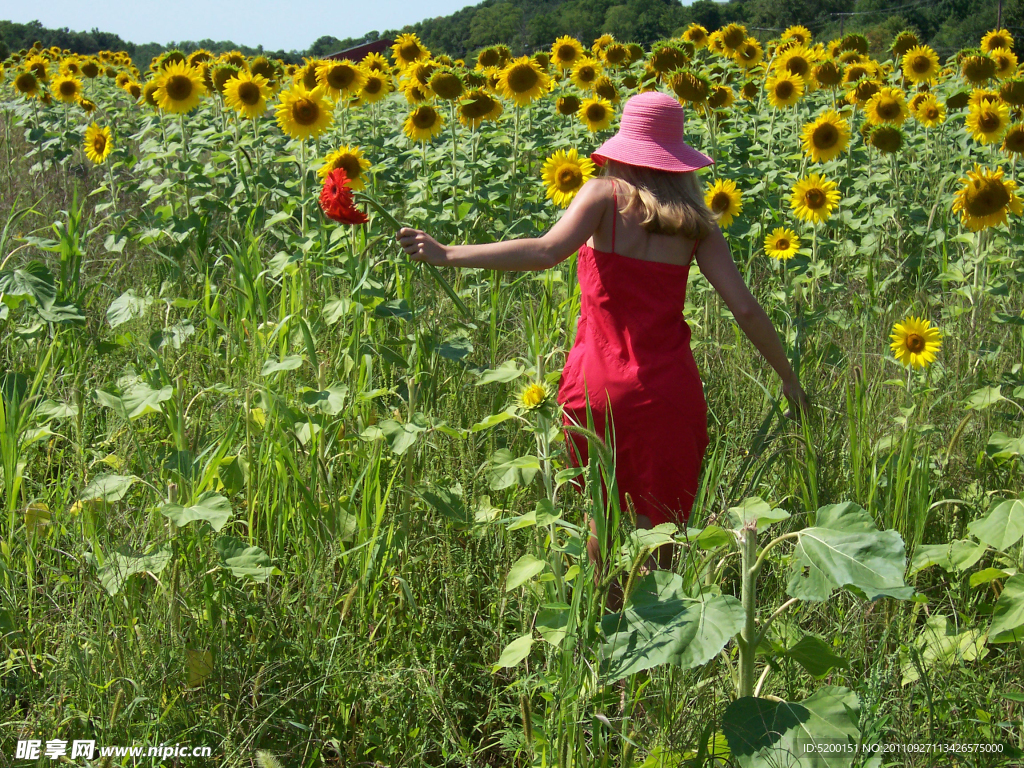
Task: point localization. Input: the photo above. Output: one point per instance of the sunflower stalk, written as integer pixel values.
(394, 223)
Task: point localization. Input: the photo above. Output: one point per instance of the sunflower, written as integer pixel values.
(985, 198)
(596, 113)
(407, 49)
(814, 197)
(958, 101)
(1006, 62)
(221, 74)
(749, 54)
(415, 94)
(797, 61)
(179, 88)
(374, 62)
(826, 138)
(149, 93)
(261, 65)
(376, 86)
(27, 84)
(420, 72)
(887, 106)
(446, 84)
(423, 123)
(920, 64)
(567, 105)
(564, 173)
(997, 38)
(477, 106)
(523, 81)
(615, 55)
(199, 56)
(988, 121)
(565, 52)
(488, 57)
(667, 55)
(88, 106)
(304, 114)
(977, 68)
(750, 90)
(351, 160)
(784, 89)
(1013, 141)
(246, 93)
(732, 36)
(340, 78)
(533, 395)
(585, 73)
(782, 244)
(904, 42)
(828, 74)
(887, 139)
(915, 342)
(930, 112)
(133, 89)
(722, 97)
(1012, 92)
(66, 88)
(98, 143)
(605, 88)
(71, 66)
(90, 69)
(690, 86)
(306, 74)
(696, 35)
(635, 52)
(602, 42)
(724, 200)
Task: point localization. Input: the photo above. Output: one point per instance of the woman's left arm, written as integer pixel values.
(579, 222)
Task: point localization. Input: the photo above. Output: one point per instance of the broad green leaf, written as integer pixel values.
(288, 363)
(1002, 527)
(243, 561)
(755, 509)
(984, 398)
(989, 575)
(927, 555)
(491, 421)
(552, 622)
(940, 644)
(506, 470)
(335, 309)
(708, 538)
(764, 733)
(845, 549)
(507, 371)
(447, 501)
(123, 563)
(660, 625)
(815, 655)
(211, 507)
(1001, 446)
(143, 399)
(330, 401)
(198, 666)
(526, 520)
(51, 409)
(107, 488)
(545, 512)
(66, 314)
(965, 554)
(401, 436)
(233, 471)
(514, 652)
(33, 281)
(455, 349)
(523, 569)
(127, 306)
(1008, 616)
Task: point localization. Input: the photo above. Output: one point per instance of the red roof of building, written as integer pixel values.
(358, 53)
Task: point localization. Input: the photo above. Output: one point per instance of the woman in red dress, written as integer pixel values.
(637, 229)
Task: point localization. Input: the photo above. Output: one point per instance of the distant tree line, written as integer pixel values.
(529, 25)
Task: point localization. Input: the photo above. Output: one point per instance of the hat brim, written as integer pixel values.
(679, 158)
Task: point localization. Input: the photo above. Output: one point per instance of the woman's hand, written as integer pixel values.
(799, 404)
(422, 247)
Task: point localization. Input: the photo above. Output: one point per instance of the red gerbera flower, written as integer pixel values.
(336, 199)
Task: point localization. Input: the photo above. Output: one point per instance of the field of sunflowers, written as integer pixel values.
(269, 486)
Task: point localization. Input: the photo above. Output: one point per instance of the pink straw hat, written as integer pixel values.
(651, 136)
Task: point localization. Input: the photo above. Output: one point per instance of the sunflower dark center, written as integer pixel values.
(931, 112)
(782, 244)
(566, 53)
(424, 118)
(249, 93)
(605, 91)
(305, 111)
(815, 198)
(179, 87)
(99, 143)
(733, 37)
(720, 202)
(373, 85)
(921, 64)
(350, 164)
(26, 82)
(522, 78)
(1015, 141)
(784, 89)
(615, 54)
(340, 77)
(798, 65)
(915, 343)
(586, 73)
(987, 197)
(446, 85)
(888, 109)
(568, 105)
(409, 51)
(68, 88)
(569, 177)
(595, 113)
(309, 78)
(825, 136)
(988, 121)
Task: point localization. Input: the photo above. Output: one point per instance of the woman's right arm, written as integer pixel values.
(716, 264)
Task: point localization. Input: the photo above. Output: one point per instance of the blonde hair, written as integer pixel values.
(669, 203)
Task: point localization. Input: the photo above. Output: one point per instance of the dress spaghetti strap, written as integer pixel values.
(615, 214)
(693, 253)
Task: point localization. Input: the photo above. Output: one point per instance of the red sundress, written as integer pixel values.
(632, 350)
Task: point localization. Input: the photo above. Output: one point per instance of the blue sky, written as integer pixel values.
(273, 24)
